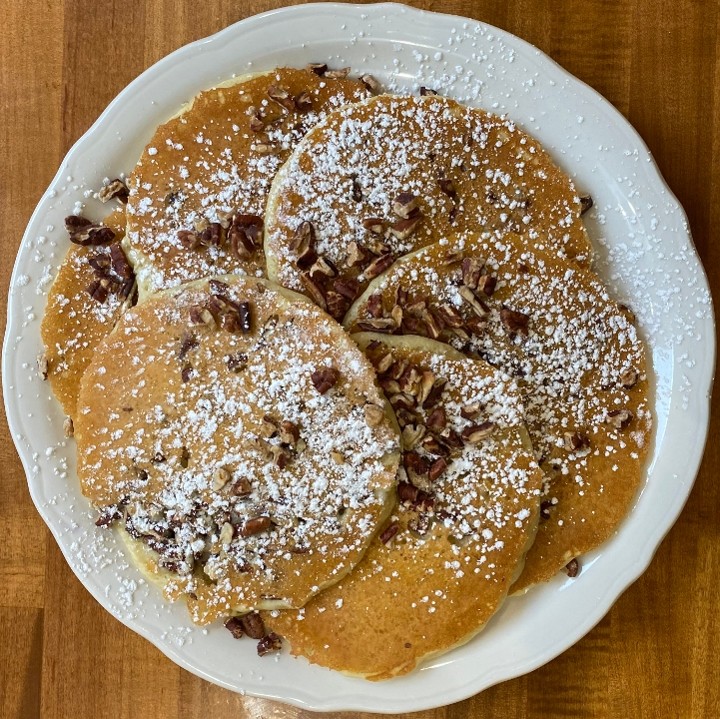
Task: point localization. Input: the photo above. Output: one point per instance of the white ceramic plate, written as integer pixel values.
(645, 253)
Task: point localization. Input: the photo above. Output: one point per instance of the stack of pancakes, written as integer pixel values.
(340, 371)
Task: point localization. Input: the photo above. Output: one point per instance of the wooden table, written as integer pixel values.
(654, 655)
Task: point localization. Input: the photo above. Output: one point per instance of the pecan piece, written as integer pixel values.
(376, 225)
(187, 342)
(514, 322)
(120, 266)
(449, 315)
(437, 420)
(212, 235)
(338, 74)
(477, 432)
(572, 568)
(620, 418)
(255, 525)
(116, 189)
(374, 305)
(586, 202)
(389, 532)
(354, 254)
(319, 68)
(83, 232)
(471, 269)
(411, 435)
(378, 266)
(629, 378)
(470, 411)
(437, 469)
(371, 84)
(99, 290)
(201, 316)
(313, 290)
(476, 304)
(405, 205)
(288, 432)
(253, 625)
(348, 288)
(324, 379)
(323, 266)
(402, 229)
(303, 239)
(410, 494)
(281, 96)
(384, 325)
(426, 91)
(235, 627)
(303, 102)
(189, 239)
(270, 643)
(245, 235)
(487, 285)
(68, 427)
(575, 441)
(42, 366)
(337, 305)
(236, 362)
(374, 415)
(221, 477)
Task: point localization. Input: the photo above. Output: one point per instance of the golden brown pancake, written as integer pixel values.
(576, 356)
(80, 313)
(238, 433)
(467, 512)
(390, 175)
(206, 173)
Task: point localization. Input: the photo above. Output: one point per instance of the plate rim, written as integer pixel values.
(700, 416)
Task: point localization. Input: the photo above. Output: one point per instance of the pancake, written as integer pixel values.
(468, 510)
(239, 433)
(206, 174)
(387, 176)
(81, 311)
(577, 357)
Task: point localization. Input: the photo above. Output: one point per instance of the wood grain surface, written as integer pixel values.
(654, 655)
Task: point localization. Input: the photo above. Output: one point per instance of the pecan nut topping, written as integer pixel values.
(514, 322)
(255, 525)
(620, 418)
(324, 379)
(116, 189)
(270, 643)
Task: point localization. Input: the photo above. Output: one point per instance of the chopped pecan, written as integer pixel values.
(270, 643)
(324, 379)
(586, 202)
(189, 239)
(323, 266)
(245, 235)
(354, 254)
(265, 148)
(303, 102)
(435, 393)
(376, 225)
(410, 494)
(235, 627)
(255, 525)
(415, 465)
(378, 266)
(411, 435)
(116, 189)
(99, 290)
(337, 305)
(374, 305)
(575, 441)
(389, 532)
(120, 266)
(188, 342)
(405, 205)
(236, 362)
(383, 363)
(242, 487)
(449, 315)
(371, 84)
(425, 91)
(319, 68)
(253, 625)
(313, 290)
(427, 382)
(304, 238)
(514, 322)
(68, 427)
(402, 229)
(620, 418)
(348, 288)
(288, 432)
(437, 420)
(221, 477)
(186, 373)
(357, 193)
(470, 411)
(374, 415)
(437, 469)
(338, 74)
(477, 432)
(281, 96)
(476, 304)
(212, 235)
(471, 269)
(629, 378)
(572, 568)
(83, 232)
(487, 284)
(384, 325)
(227, 532)
(42, 366)
(201, 316)
(545, 507)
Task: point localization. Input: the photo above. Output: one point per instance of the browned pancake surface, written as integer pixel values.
(230, 430)
(75, 321)
(215, 161)
(577, 358)
(385, 177)
(448, 555)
